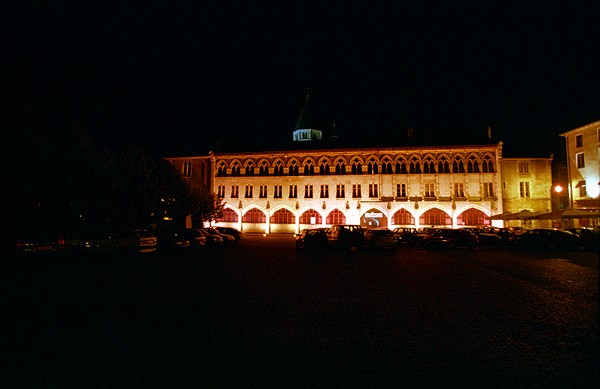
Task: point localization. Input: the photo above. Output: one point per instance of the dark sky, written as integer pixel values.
(185, 77)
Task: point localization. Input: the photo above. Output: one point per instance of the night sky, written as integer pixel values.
(186, 77)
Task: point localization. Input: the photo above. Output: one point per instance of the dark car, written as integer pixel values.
(171, 240)
(212, 239)
(486, 238)
(408, 236)
(346, 236)
(547, 239)
(450, 239)
(226, 237)
(312, 238)
(39, 241)
(196, 237)
(237, 234)
(589, 238)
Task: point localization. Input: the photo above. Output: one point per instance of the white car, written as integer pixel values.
(380, 237)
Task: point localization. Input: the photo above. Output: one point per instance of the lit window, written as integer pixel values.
(308, 191)
(186, 169)
(523, 167)
(373, 192)
(524, 189)
(580, 160)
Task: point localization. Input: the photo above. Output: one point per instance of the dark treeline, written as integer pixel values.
(65, 179)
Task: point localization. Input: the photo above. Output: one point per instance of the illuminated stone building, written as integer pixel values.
(583, 166)
(309, 185)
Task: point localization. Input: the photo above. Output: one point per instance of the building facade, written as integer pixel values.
(583, 166)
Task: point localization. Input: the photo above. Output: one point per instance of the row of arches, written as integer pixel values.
(340, 165)
(284, 219)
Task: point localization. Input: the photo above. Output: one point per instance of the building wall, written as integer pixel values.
(589, 175)
(527, 185)
(364, 167)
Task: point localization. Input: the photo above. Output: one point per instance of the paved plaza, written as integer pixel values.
(258, 314)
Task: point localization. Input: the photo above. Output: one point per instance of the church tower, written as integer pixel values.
(303, 131)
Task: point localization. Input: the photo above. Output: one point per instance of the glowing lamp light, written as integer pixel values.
(593, 190)
(558, 189)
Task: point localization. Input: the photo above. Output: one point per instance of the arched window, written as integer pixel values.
(458, 166)
(222, 170)
(435, 217)
(340, 168)
(293, 170)
(264, 169)
(472, 165)
(401, 168)
(429, 166)
(472, 217)
(443, 165)
(250, 169)
(309, 169)
(324, 169)
(311, 217)
(283, 216)
(487, 165)
(336, 217)
(356, 167)
(386, 167)
(415, 166)
(372, 167)
(254, 216)
(235, 169)
(278, 169)
(403, 217)
(229, 216)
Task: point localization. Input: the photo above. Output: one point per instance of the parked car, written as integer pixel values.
(171, 240)
(39, 241)
(450, 238)
(547, 239)
(212, 239)
(380, 237)
(196, 237)
(408, 236)
(237, 234)
(346, 236)
(486, 238)
(226, 237)
(117, 240)
(589, 237)
(312, 238)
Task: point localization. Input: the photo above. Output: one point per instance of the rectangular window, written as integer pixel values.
(429, 189)
(235, 191)
(524, 189)
(401, 190)
(373, 190)
(248, 193)
(580, 160)
(221, 191)
(488, 189)
(459, 190)
(324, 191)
(356, 192)
(186, 169)
(293, 191)
(340, 191)
(308, 191)
(582, 190)
(579, 140)
(277, 191)
(523, 167)
(263, 192)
